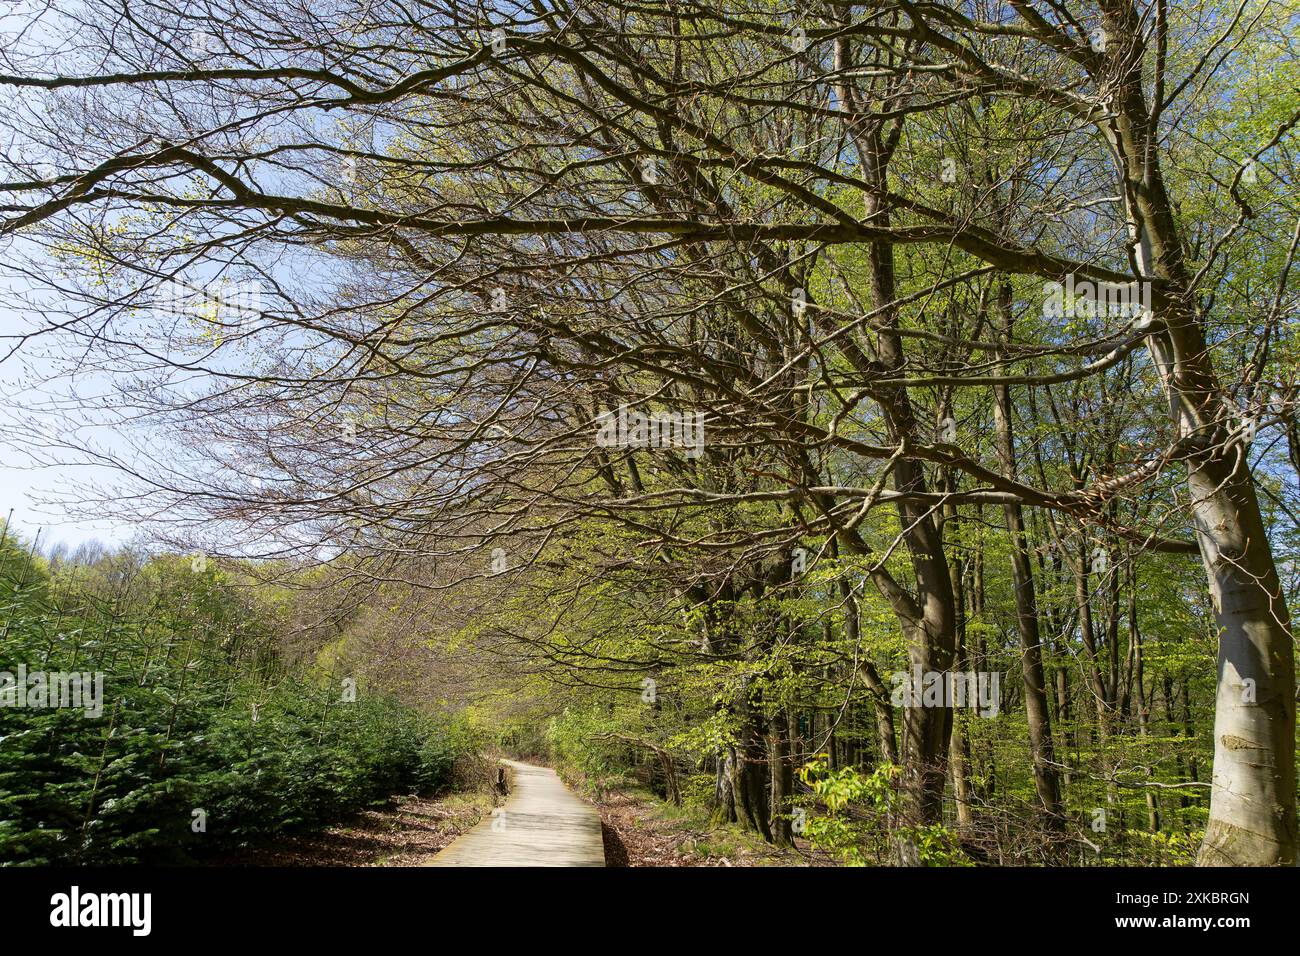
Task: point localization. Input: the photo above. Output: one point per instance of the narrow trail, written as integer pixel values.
(542, 824)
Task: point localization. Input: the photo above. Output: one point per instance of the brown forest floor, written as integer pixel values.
(406, 833)
(641, 830)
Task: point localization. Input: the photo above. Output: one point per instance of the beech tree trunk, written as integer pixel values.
(1046, 779)
(782, 778)
(927, 617)
(1252, 799)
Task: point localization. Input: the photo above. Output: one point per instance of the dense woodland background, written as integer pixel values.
(352, 284)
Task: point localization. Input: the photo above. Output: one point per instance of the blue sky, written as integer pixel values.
(27, 487)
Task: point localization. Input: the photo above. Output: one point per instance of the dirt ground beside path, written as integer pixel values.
(406, 833)
(640, 830)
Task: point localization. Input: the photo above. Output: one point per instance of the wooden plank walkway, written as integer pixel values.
(542, 824)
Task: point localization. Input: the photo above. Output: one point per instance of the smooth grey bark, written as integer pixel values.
(1253, 797)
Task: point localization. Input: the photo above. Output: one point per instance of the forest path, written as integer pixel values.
(542, 824)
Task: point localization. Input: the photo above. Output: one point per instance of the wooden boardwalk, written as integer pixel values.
(542, 824)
